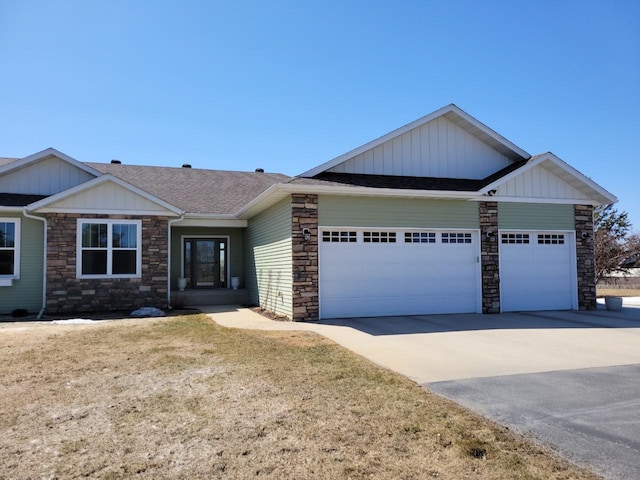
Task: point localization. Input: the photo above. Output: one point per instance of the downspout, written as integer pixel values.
(44, 261)
(171, 222)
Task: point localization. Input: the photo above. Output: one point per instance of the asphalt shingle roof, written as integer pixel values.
(196, 190)
(405, 182)
(18, 199)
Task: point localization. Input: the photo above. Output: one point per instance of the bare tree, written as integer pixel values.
(615, 248)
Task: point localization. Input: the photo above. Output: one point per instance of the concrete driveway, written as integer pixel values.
(569, 379)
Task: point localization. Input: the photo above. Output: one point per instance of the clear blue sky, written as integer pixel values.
(287, 85)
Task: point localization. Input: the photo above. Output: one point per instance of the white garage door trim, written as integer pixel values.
(406, 301)
(532, 243)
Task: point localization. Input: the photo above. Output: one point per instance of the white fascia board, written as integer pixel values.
(607, 196)
(48, 152)
(196, 220)
(281, 190)
(502, 199)
(451, 108)
(42, 204)
(101, 211)
(11, 209)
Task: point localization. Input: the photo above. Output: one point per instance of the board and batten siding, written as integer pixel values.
(236, 249)
(535, 216)
(46, 177)
(438, 148)
(269, 261)
(336, 211)
(108, 195)
(539, 182)
(26, 292)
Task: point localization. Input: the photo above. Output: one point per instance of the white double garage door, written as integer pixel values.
(366, 272)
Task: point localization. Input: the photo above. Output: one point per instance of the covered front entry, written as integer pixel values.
(205, 262)
(537, 271)
(367, 272)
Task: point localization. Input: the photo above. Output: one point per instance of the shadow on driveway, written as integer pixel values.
(629, 317)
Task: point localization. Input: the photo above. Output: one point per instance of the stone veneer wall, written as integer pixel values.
(490, 260)
(585, 257)
(304, 214)
(66, 293)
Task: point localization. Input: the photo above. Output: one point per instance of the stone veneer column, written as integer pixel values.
(304, 214)
(490, 260)
(67, 293)
(585, 257)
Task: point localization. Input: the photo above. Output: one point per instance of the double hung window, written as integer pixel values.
(109, 248)
(10, 247)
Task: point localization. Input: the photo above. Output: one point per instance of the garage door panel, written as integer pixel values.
(399, 278)
(537, 276)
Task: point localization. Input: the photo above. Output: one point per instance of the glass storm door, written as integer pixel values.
(205, 262)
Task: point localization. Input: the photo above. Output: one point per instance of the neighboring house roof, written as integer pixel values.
(6, 160)
(194, 190)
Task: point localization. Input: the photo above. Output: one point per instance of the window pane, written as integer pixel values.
(6, 262)
(124, 236)
(94, 235)
(124, 262)
(7, 234)
(94, 262)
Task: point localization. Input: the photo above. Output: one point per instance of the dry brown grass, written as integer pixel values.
(185, 398)
(618, 292)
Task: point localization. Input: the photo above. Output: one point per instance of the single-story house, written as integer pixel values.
(442, 215)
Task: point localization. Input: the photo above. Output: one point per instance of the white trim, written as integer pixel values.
(17, 241)
(110, 222)
(449, 109)
(551, 158)
(228, 221)
(571, 241)
(280, 190)
(48, 152)
(41, 204)
(213, 237)
(563, 201)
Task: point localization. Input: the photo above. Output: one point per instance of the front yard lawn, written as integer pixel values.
(185, 398)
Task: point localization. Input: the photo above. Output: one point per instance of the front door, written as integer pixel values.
(205, 262)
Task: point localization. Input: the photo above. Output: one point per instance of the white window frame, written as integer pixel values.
(109, 223)
(16, 248)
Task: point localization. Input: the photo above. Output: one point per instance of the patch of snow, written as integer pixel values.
(74, 321)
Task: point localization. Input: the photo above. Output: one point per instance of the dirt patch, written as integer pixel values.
(618, 292)
(182, 397)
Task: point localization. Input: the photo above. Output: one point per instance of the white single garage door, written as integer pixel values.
(373, 272)
(537, 271)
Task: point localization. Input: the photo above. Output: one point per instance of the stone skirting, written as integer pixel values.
(490, 259)
(66, 293)
(304, 215)
(585, 257)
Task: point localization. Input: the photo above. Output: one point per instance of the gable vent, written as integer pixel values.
(116, 162)
(259, 170)
(186, 165)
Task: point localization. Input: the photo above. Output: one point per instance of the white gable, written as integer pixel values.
(106, 195)
(438, 148)
(46, 176)
(539, 182)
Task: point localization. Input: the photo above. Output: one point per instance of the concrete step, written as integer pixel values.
(218, 296)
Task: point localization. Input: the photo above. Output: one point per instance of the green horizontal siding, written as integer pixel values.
(269, 262)
(536, 216)
(334, 211)
(26, 292)
(236, 246)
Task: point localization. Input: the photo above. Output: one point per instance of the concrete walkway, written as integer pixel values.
(435, 348)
